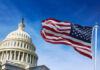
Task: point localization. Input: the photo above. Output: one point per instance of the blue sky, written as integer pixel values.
(56, 57)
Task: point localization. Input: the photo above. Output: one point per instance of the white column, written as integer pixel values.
(14, 55)
(27, 57)
(18, 55)
(10, 55)
(22, 59)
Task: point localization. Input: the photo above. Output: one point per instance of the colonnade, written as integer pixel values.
(18, 56)
(19, 44)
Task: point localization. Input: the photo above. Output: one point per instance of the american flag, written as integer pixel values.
(62, 32)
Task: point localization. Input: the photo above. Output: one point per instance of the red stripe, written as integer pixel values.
(43, 21)
(77, 43)
(85, 54)
(48, 28)
(84, 49)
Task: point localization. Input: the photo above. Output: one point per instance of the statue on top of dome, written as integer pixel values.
(21, 25)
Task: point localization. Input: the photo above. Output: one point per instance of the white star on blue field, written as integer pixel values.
(56, 57)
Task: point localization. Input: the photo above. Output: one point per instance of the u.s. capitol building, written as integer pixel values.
(17, 52)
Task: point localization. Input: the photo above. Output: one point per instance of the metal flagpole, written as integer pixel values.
(95, 54)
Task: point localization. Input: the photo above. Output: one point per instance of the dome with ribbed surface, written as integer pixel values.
(19, 34)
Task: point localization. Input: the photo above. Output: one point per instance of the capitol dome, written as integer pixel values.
(19, 34)
(18, 48)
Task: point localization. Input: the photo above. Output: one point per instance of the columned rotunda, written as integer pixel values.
(17, 52)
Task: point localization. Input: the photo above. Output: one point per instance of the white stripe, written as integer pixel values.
(50, 25)
(65, 36)
(84, 51)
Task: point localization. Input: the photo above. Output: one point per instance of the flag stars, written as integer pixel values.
(80, 32)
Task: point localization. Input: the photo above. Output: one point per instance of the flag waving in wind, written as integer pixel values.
(62, 32)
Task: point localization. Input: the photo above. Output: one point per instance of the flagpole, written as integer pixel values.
(95, 54)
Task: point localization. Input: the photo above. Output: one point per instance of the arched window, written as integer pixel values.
(28, 58)
(16, 55)
(27, 46)
(18, 44)
(31, 59)
(21, 44)
(15, 43)
(20, 56)
(24, 45)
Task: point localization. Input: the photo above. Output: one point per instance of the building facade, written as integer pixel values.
(17, 52)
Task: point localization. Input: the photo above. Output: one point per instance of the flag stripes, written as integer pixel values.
(58, 32)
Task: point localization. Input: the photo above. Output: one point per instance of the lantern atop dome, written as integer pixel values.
(21, 25)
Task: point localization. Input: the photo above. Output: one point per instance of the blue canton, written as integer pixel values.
(83, 33)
